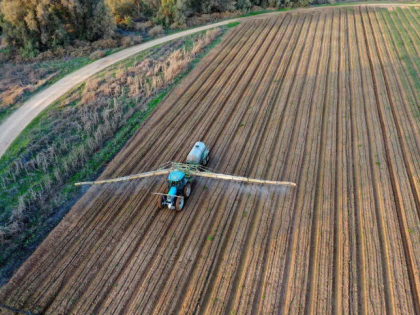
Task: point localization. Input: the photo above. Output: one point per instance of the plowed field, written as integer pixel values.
(328, 99)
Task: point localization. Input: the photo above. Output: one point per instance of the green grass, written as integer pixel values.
(402, 55)
(405, 48)
(233, 24)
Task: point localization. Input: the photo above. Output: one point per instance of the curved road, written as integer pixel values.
(21, 118)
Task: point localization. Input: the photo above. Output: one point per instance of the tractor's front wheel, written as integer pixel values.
(179, 204)
(159, 200)
(206, 160)
(187, 190)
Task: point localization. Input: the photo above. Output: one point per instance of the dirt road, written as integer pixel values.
(328, 99)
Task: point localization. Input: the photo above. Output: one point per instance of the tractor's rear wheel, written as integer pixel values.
(179, 204)
(160, 201)
(187, 190)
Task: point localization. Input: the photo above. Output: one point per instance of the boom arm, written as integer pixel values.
(126, 178)
(242, 179)
(190, 170)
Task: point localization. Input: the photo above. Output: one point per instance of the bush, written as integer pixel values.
(97, 55)
(256, 8)
(156, 31)
(131, 40)
(142, 27)
(177, 26)
(129, 23)
(126, 41)
(46, 55)
(105, 43)
(137, 39)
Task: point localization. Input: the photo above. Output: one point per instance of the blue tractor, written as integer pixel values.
(179, 181)
(179, 189)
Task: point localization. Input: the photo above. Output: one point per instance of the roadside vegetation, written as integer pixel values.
(75, 138)
(20, 79)
(42, 41)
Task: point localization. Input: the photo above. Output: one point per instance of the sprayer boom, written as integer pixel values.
(126, 178)
(242, 179)
(189, 170)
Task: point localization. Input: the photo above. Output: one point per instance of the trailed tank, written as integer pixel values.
(199, 154)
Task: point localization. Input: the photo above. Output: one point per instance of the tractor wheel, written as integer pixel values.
(160, 201)
(179, 204)
(206, 160)
(187, 190)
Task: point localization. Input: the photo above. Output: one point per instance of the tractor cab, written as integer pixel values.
(177, 179)
(179, 189)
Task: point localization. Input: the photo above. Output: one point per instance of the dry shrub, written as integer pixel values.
(59, 52)
(78, 52)
(88, 97)
(12, 96)
(211, 35)
(126, 41)
(121, 72)
(198, 46)
(105, 43)
(178, 26)
(207, 39)
(176, 55)
(256, 8)
(97, 55)
(156, 31)
(202, 19)
(157, 83)
(46, 55)
(136, 39)
(176, 67)
(145, 65)
(105, 89)
(142, 27)
(92, 85)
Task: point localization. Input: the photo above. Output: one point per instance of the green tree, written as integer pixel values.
(33, 25)
(136, 9)
(37, 25)
(89, 19)
(167, 12)
(245, 5)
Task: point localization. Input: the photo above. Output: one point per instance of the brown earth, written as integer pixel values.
(328, 99)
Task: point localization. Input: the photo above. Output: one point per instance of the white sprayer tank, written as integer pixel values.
(199, 154)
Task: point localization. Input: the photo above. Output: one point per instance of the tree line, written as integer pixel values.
(32, 26)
